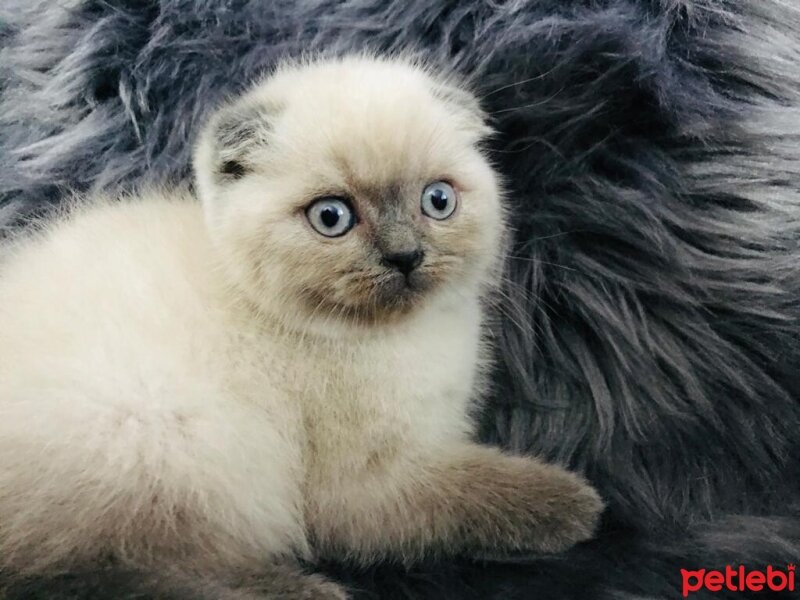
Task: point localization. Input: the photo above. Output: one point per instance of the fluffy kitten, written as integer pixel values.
(283, 372)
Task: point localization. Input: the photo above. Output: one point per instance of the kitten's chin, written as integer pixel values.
(388, 300)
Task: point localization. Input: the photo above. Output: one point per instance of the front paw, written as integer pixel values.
(285, 582)
(530, 506)
(325, 590)
(569, 514)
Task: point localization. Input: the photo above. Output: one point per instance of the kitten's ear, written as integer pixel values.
(466, 106)
(233, 133)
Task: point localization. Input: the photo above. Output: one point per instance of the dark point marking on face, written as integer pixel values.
(397, 237)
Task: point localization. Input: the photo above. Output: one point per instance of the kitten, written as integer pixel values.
(283, 371)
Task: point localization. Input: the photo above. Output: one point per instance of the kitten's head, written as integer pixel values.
(351, 189)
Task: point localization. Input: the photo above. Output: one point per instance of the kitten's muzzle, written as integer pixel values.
(404, 262)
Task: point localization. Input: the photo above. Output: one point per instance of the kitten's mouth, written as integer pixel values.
(386, 298)
(394, 287)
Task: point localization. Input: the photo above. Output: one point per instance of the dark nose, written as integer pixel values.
(405, 262)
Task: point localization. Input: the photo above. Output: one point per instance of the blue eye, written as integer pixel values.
(438, 200)
(332, 217)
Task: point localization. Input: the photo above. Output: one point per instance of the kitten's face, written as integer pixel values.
(351, 190)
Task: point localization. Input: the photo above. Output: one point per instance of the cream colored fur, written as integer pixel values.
(168, 395)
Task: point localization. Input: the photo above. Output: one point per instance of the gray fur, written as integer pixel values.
(652, 150)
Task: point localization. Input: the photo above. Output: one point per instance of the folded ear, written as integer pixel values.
(233, 133)
(466, 106)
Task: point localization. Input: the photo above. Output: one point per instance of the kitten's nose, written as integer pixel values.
(405, 262)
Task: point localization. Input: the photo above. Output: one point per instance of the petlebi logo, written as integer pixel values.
(739, 580)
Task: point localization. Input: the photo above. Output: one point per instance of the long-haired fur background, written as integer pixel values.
(652, 331)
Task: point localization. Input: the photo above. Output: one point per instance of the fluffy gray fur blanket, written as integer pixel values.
(652, 149)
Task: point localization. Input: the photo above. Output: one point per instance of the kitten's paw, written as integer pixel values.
(323, 590)
(290, 584)
(571, 513)
(530, 506)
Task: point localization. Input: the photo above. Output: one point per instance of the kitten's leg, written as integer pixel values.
(471, 500)
(275, 582)
(287, 582)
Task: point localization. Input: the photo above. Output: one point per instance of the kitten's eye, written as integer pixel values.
(332, 217)
(439, 200)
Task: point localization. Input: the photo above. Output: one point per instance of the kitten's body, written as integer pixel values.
(175, 406)
(190, 382)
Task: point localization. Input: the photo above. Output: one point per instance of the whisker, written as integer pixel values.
(540, 261)
(557, 235)
(506, 308)
(533, 240)
(526, 295)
